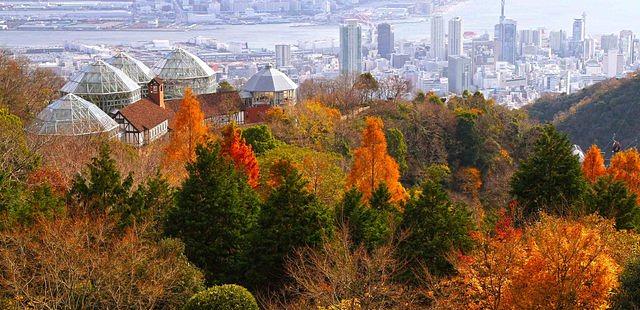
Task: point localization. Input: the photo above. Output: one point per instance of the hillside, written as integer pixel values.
(596, 114)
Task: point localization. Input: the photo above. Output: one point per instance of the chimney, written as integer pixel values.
(156, 92)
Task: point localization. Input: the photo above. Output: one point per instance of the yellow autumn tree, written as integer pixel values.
(373, 165)
(189, 130)
(593, 165)
(625, 166)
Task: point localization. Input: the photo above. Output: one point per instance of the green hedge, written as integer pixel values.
(223, 297)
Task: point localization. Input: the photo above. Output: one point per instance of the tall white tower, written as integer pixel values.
(351, 48)
(437, 37)
(455, 36)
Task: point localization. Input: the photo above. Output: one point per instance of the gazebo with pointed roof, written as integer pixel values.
(103, 85)
(269, 86)
(73, 116)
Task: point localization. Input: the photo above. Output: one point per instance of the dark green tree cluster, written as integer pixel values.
(291, 218)
(437, 227)
(551, 179)
(611, 199)
(215, 213)
(102, 189)
(397, 147)
(372, 224)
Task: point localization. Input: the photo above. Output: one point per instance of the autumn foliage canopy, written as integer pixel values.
(189, 130)
(373, 165)
(593, 165)
(234, 146)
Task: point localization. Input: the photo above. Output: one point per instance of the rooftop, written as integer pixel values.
(144, 114)
(180, 65)
(100, 78)
(135, 69)
(72, 116)
(269, 79)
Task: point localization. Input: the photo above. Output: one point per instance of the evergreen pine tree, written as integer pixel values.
(291, 217)
(103, 189)
(611, 199)
(436, 228)
(551, 179)
(215, 212)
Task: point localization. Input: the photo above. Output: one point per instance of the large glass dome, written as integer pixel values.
(73, 116)
(133, 68)
(104, 85)
(180, 69)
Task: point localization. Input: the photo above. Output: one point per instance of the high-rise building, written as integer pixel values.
(506, 33)
(283, 55)
(351, 48)
(455, 36)
(385, 40)
(579, 35)
(609, 42)
(460, 74)
(438, 51)
(626, 46)
(558, 42)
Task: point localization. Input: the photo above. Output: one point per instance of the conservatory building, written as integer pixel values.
(103, 85)
(73, 116)
(269, 86)
(133, 68)
(180, 69)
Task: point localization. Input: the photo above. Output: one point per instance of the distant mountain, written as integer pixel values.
(596, 114)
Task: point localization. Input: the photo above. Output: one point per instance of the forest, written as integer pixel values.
(354, 198)
(598, 114)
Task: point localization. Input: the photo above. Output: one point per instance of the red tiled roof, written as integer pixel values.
(210, 103)
(144, 114)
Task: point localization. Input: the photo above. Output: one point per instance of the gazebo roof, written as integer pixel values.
(269, 79)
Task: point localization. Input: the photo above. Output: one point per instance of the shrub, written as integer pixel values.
(223, 297)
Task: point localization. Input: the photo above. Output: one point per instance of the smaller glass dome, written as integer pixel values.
(100, 78)
(73, 116)
(133, 68)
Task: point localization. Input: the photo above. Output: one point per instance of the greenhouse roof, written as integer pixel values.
(133, 68)
(72, 116)
(100, 78)
(181, 65)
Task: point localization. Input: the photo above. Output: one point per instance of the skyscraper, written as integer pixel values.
(579, 35)
(506, 33)
(459, 74)
(351, 48)
(455, 36)
(385, 40)
(438, 51)
(626, 46)
(557, 42)
(283, 55)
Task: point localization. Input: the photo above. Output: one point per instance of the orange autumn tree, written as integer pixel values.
(554, 264)
(234, 146)
(189, 130)
(593, 165)
(625, 166)
(373, 165)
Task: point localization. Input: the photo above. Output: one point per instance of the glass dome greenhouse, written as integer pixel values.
(73, 116)
(103, 85)
(180, 69)
(133, 68)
